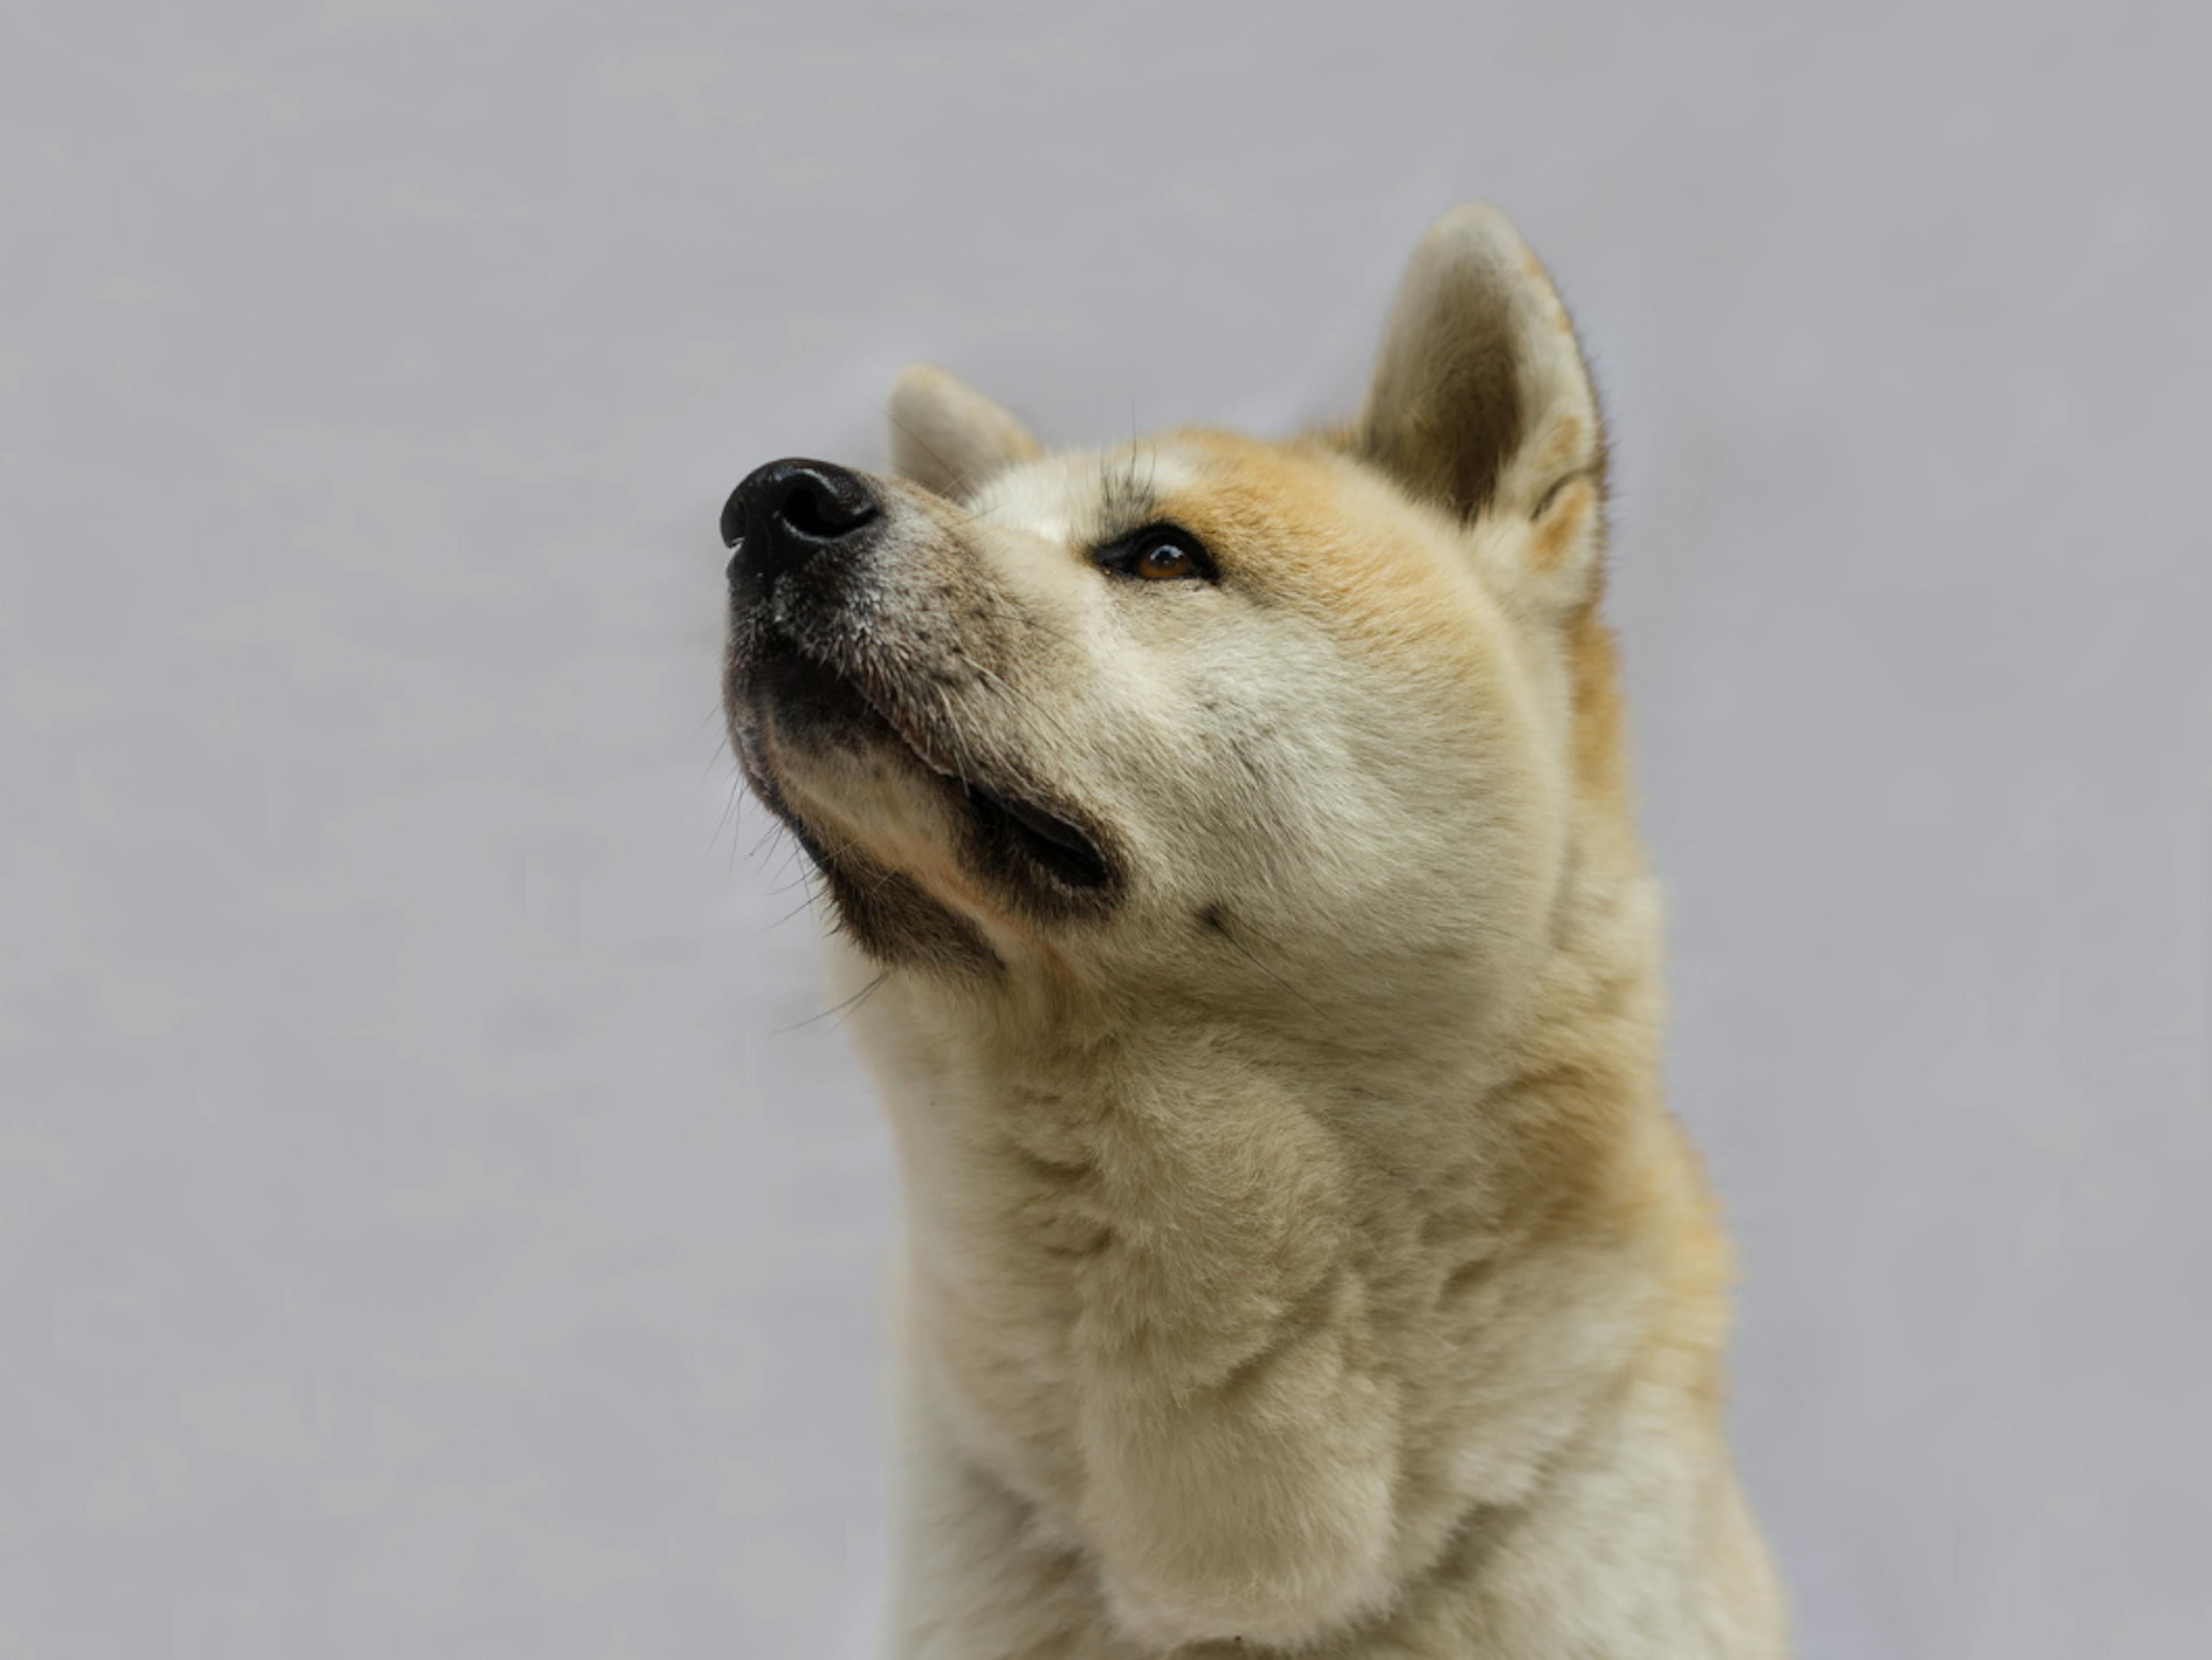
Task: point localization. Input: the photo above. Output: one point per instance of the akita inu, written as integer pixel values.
(1239, 884)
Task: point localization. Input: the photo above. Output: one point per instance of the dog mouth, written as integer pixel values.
(1043, 836)
(1013, 828)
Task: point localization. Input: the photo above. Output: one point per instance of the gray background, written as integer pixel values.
(421, 1231)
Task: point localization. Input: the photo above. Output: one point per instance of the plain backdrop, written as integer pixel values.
(430, 1223)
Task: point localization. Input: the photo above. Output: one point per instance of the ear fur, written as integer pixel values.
(947, 436)
(1482, 402)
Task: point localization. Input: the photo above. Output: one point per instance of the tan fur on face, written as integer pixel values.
(1298, 1256)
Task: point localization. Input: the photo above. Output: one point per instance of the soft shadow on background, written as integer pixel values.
(425, 1227)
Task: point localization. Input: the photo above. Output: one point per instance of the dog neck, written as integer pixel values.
(1252, 1326)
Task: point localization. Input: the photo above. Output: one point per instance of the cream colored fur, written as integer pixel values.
(1299, 1257)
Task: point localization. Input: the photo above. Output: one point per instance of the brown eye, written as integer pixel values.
(1162, 553)
(1164, 560)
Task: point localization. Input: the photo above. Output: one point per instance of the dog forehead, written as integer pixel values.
(1080, 495)
(1299, 520)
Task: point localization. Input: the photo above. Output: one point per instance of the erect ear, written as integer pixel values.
(1481, 401)
(946, 435)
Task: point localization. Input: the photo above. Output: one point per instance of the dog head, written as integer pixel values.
(1201, 713)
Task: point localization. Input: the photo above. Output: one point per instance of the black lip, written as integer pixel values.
(1049, 839)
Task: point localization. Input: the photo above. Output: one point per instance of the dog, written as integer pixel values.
(1235, 879)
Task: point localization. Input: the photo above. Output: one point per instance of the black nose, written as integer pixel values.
(786, 512)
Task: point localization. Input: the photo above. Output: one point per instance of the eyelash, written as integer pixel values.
(1121, 557)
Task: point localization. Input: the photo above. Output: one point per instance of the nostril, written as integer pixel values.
(789, 512)
(820, 517)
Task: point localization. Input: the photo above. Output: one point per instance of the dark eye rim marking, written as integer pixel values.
(1126, 557)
